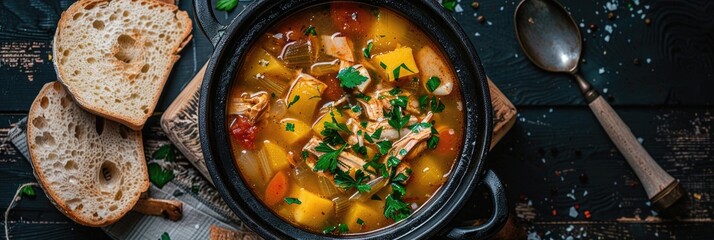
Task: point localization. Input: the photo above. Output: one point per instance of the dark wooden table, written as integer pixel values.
(659, 77)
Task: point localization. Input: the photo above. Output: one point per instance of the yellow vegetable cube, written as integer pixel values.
(293, 131)
(372, 216)
(320, 123)
(314, 211)
(304, 96)
(261, 62)
(427, 176)
(397, 64)
(386, 36)
(277, 156)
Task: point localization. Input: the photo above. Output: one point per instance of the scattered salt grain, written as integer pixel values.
(607, 38)
(570, 195)
(648, 60)
(477, 34)
(641, 140)
(608, 28)
(585, 193)
(573, 213)
(570, 228)
(604, 90)
(601, 70)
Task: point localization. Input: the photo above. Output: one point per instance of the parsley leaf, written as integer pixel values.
(364, 97)
(361, 150)
(433, 83)
(165, 152)
(400, 101)
(397, 70)
(449, 4)
(328, 161)
(377, 133)
(396, 119)
(356, 109)
(28, 191)
(395, 208)
(400, 178)
(397, 187)
(432, 142)
(295, 99)
(360, 221)
(437, 106)
(310, 31)
(329, 229)
(343, 228)
(290, 127)
(368, 50)
(350, 77)
(420, 126)
(384, 66)
(384, 146)
(226, 5)
(289, 200)
(423, 102)
(158, 176)
(393, 161)
(395, 91)
(165, 236)
(345, 181)
(304, 155)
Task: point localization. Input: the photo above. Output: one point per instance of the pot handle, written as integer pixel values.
(207, 21)
(497, 220)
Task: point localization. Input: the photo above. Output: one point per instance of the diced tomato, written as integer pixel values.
(350, 18)
(333, 92)
(244, 132)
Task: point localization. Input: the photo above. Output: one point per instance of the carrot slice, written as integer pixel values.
(277, 189)
(448, 142)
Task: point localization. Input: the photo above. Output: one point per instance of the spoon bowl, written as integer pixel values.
(548, 35)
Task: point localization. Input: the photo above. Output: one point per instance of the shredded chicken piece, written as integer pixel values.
(372, 109)
(389, 132)
(409, 141)
(325, 109)
(347, 160)
(250, 106)
(385, 98)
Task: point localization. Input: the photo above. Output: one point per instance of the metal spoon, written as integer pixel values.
(551, 39)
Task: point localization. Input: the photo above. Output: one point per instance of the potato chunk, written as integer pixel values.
(260, 62)
(314, 211)
(427, 176)
(304, 96)
(277, 156)
(397, 64)
(371, 216)
(293, 131)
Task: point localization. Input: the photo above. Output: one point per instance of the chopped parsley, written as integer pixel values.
(395, 208)
(384, 146)
(159, 176)
(420, 126)
(437, 106)
(384, 66)
(295, 99)
(395, 91)
(397, 70)
(398, 187)
(28, 191)
(449, 4)
(350, 77)
(363, 97)
(226, 5)
(397, 120)
(400, 101)
(328, 161)
(361, 150)
(290, 127)
(392, 161)
(290, 200)
(310, 31)
(165, 152)
(329, 229)
(432, 142)
(433, 83)
(423, 102)
(343, 228)
(360, 221)
(304, 155)
(403, 152)
(332, 129)
(356, 108)
(363, 124)
(345, 181)
(368, 50)
(165, 236)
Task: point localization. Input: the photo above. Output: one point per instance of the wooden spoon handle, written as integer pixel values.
(661, 187)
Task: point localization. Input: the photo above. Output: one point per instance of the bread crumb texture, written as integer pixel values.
(115, 55)
(93, 170)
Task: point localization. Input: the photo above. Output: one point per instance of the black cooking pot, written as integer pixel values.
(434, 218)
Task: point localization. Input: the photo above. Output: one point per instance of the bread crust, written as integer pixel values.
(131, 122)
(52, 195)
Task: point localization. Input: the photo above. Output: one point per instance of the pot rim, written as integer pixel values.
(431, 217)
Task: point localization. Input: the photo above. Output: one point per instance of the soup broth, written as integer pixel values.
(345, 118)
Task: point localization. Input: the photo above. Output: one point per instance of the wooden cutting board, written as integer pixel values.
(180, 121)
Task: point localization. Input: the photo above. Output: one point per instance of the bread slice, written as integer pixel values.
(114, 56)
(92, 170)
